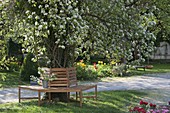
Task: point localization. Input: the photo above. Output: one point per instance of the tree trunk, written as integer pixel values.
(57, 96)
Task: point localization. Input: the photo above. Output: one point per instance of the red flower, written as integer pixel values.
(136, 108)
(94, 65)
(152, 105)
(141, 110)
(143, 102)
(81, 60)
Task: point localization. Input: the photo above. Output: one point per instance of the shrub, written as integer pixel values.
(28, 68)
(9, 64)
(13, 66)
(85, 73)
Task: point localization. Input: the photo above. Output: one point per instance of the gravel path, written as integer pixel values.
(157, 85)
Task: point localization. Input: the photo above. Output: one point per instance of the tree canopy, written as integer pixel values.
(62, 30)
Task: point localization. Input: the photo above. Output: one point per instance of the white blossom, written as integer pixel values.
(40, 27)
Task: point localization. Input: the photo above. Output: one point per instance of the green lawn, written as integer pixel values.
(108, 102)
(157, 68)
(12, 79)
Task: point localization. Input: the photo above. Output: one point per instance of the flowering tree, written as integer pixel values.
(55, 29)
(61, 30)
(121, 29)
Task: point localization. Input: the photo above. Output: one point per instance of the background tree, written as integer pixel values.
(121, 29)
(163, 24)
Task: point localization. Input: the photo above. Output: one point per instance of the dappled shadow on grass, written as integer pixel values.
(108, 102)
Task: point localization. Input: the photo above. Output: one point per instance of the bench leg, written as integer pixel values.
(76, 96)
(39, 98)
(68, 96)
(49, 96)
(19, 94)
(96, 92)
(81, 100)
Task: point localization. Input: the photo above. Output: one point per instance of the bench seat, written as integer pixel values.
(40, 89)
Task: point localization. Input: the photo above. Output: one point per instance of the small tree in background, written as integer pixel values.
(29, 68)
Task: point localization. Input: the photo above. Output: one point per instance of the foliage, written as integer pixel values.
(12, 79)
(9, 64)
(33, 78)
(53, 29)
(28, 68)
(62, 30)
(121, 70)
(13, 66)
(3, 55)
(4, 64)
(2, 78)
(163, 17)
(92, 72)
(121, 29)
(14, 50)
(45, 74)
(84, 72)
(2, 48)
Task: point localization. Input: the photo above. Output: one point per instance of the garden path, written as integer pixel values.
(154, 84)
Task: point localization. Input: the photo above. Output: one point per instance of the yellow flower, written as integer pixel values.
(98, 62)
(83, 65)
(113, 62)
(78, 64)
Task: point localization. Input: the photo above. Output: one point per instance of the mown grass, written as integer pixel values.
(108, 102)
(11, 79)
(157, 68)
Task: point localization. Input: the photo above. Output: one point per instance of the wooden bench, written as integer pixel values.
(137, 67)
(66, 81)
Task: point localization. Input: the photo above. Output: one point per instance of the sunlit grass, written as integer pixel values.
(157, 68)
(108, 102)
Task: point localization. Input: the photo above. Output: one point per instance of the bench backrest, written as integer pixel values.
(65, 77)
(72, 77)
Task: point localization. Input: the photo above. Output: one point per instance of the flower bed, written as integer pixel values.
(145, 107)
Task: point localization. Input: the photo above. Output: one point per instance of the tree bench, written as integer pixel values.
(66, 82)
